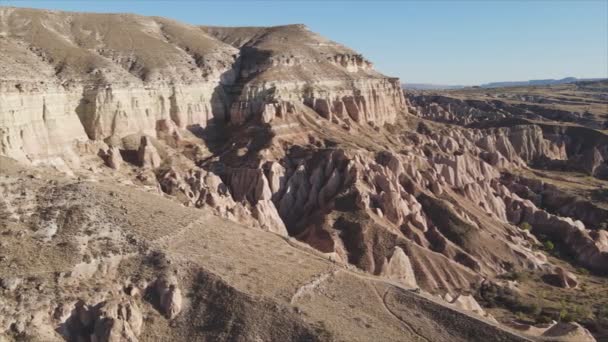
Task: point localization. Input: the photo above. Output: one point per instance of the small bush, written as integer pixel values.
(543, 319)
(564, 316)
(582, 271)
(535, 310)
(602, 312)
(574, 313)
(525, 226)
(581, 313)
(492, 296)
(600, 195)
(548, 246)
(514, 275)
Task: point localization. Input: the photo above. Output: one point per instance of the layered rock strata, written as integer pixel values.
(94, 81)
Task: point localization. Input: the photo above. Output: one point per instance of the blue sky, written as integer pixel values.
(444, 42)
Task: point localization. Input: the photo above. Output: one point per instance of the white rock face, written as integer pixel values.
(117, 321)
(116, 111)
(364, 101)
(147, 154)
(80, 81)
(399, 268)
(170, 296)
(113, 159)
(468, 303)
(181, 74)
(38, 122)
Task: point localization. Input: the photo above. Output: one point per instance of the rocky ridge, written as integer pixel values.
(95, 81)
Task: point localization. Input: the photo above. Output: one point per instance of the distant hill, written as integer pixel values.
(430, 86)
(537, 82)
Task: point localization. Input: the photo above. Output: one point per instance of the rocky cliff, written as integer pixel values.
(102, 77)
(290, 63)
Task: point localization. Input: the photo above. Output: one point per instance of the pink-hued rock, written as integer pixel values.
(170, 296)
(147, 154)
(399, 268)
(566, 279)
(113, 158)
(117, 321)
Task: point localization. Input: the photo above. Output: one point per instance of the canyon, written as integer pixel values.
(181, 182)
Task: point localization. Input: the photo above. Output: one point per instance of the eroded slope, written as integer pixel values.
(125, 264)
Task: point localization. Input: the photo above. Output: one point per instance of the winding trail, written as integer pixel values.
(408, 326)
(311, 286)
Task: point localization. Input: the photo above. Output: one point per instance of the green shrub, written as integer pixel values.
(548, 245)
(602, 312)
(535, 310)
(600, 195)
(564, 315)
(582, 271)
(543, 319)
(525, 226)
(493, 296)
(574, 313)
(514, 275)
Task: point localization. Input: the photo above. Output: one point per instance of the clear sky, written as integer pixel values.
(443, 42)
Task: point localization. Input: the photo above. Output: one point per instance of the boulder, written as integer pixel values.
(10, 283)
(399, 268)
(147, 155)
(170, 296)
(113, 159)
(468, 303)
(117, 321)
(565, 279)
(568, 332)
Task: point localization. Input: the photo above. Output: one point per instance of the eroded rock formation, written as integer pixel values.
(276, 129)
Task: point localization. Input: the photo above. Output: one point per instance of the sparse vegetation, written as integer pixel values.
(493, 296)
(573, 312)
(536, 309)
(564, 316)
(448, 222)
(514, 275)
(602, 312)
(548, 246)
(525, 226)
(600, 194)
